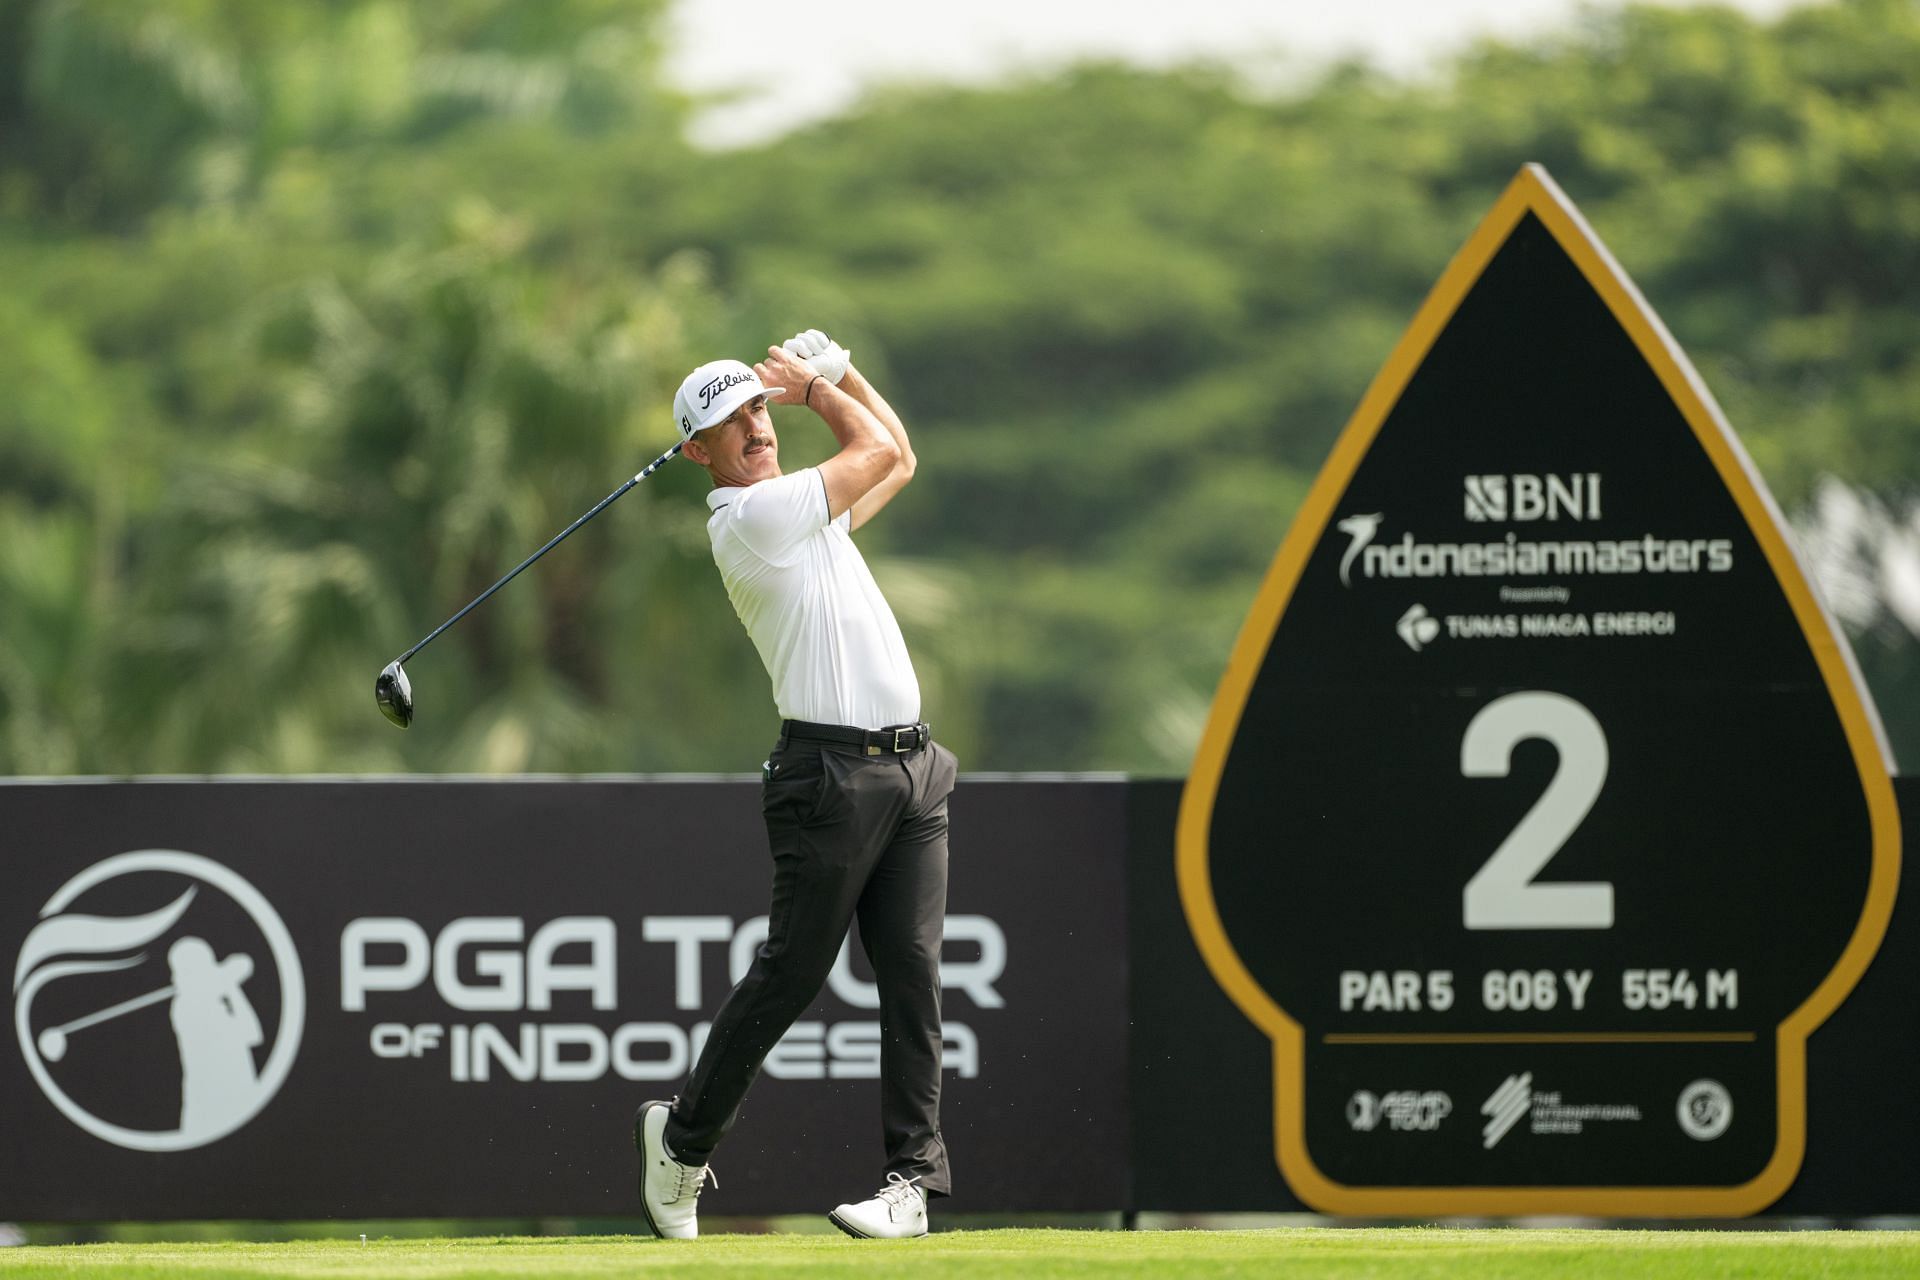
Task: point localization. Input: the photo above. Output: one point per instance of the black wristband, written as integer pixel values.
(807, 399)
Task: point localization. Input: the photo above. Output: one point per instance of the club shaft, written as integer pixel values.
(114, 1011)
(552, 542)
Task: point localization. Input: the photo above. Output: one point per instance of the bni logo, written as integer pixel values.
(145, 959)
(1526, 497)
(1505, 1108)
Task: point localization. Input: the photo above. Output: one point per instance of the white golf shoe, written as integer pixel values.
(898, 1211)
(669, 1190)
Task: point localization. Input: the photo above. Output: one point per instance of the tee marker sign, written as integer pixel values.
(1537, 711)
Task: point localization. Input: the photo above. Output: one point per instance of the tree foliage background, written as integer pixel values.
(316, 316)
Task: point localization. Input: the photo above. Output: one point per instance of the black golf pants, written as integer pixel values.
(852, 835)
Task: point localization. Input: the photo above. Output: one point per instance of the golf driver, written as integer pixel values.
(394, 692)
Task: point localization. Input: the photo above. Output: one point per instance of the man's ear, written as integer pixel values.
(696, 453)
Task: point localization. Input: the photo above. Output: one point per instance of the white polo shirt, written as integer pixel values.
(823, 629)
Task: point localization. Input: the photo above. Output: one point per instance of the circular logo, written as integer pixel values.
(1363, 1111)
(1706, 1109)
(83, 961)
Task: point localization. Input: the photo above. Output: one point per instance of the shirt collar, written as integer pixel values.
(718, 498)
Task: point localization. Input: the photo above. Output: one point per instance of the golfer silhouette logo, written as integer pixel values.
(210, 996)
(217, 1030)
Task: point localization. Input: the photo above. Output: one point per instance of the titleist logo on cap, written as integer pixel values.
(719, 384)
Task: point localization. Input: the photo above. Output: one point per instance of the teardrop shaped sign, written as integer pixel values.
(1540, 816)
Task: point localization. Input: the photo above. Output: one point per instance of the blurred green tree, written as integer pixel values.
(320, 315)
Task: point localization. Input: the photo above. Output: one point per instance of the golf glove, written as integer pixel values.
(827, 357)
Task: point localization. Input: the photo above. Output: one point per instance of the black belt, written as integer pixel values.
(894, 740)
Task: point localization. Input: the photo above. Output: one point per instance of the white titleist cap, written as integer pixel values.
(713, 391)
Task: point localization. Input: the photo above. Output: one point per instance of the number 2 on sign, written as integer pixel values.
(1502, 894)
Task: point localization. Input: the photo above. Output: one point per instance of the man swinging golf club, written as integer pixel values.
(854, 793)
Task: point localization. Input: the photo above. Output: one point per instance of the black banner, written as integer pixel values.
(421, 998)
(1051, 1122)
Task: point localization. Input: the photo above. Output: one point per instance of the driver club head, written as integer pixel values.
(394, 693)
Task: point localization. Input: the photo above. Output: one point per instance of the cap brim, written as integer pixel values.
(732, 399)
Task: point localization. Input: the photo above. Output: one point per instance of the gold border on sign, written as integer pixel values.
(1532, 191)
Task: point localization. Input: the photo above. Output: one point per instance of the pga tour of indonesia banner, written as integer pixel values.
(398, 998)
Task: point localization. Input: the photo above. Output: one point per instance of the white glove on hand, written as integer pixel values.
(827, 357)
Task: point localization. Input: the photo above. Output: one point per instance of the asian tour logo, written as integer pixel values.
(126, 938)
(1404, 1110)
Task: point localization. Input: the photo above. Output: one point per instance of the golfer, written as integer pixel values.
(854, 793)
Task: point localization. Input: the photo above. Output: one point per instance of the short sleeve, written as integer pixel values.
(775, 516)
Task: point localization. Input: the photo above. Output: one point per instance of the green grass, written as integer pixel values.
(1398, 1253)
